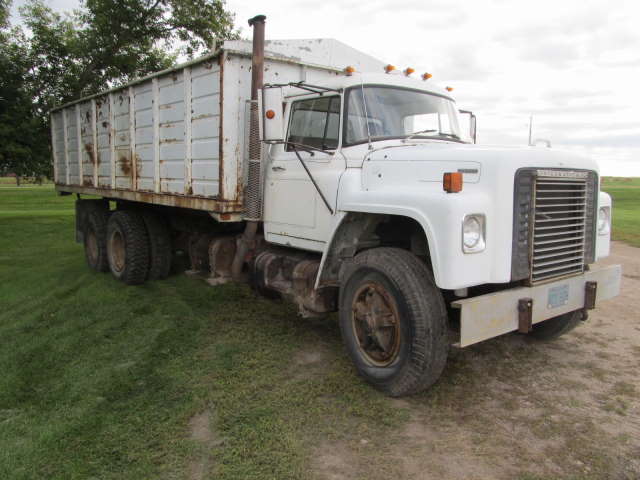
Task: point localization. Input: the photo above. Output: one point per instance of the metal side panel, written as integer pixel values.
(103, 140)
(57, 145)
(144, 135)
(488, 316)
(86, 142)
(205, 128)
(121, 139)
(171, 130)
(72, 140)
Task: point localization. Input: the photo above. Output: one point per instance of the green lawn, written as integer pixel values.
(100, 380)
(626, 208)
(177, 379)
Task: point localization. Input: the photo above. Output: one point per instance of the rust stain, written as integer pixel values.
(89, 149)
(138, 166)
(195, 202)
(170, 140)
(125, 164)
(190, 190)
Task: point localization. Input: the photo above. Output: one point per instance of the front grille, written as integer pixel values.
(554, 223)
(559, 224)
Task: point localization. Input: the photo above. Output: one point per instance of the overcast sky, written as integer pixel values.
(572, 64)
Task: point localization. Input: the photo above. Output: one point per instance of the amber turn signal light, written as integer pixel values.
(349, 70)
(270, 114)
(389, 68)
(452, 182)
(426, 76)
(408, 71)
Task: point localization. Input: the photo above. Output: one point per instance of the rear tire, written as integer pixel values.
(393, 321)
(556, 327)
(160, 249)
(128, 247)
(95, 240)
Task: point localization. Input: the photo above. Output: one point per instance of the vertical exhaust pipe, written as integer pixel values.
(253, 192)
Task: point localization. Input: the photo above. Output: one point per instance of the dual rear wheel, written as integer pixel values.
(134, 245)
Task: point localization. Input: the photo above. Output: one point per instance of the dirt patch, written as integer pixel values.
(335, 461)
(201, 432)
(516, 408)
(309, 362)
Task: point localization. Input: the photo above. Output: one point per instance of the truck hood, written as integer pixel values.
(475, 161)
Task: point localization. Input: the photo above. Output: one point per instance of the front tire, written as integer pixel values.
(95, 240)
(393, 321)
(128, 247)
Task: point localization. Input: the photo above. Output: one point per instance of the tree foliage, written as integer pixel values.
(102, 44)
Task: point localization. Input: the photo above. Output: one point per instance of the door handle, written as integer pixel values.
(277, 168)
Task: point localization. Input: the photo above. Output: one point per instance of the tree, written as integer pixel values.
(23, 134)
(102, 44)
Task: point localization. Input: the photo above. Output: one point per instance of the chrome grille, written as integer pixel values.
(560, 224)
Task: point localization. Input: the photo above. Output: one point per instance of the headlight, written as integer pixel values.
(473, 233)
(604, 220)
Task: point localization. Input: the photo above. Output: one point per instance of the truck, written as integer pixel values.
(321, 175)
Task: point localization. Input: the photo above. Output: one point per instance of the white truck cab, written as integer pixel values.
(348, 189)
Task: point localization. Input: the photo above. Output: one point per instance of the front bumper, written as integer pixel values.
(488, 316)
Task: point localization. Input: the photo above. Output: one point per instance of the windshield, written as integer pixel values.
(392, 112)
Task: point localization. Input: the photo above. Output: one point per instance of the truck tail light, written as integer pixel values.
(452, 182)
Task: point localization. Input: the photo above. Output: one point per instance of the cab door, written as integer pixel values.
(295, 212)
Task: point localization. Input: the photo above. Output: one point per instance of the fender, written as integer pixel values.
(351, 227)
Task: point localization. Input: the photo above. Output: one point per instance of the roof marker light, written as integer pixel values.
(449, 89)
(349, 70)
(389, 68)
(408, 71)
(426, 76)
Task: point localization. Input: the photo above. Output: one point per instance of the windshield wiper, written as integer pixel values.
(440, 135)
(419, 132)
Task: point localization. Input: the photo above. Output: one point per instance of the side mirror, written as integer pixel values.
(272, 121)
(472, 124)
(472, 127)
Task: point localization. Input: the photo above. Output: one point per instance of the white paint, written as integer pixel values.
(132, 137)
(156, 135)
(112, 144)
(493, 314)
(187, 129)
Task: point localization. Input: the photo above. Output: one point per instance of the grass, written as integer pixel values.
(100, 380)
(626, 202)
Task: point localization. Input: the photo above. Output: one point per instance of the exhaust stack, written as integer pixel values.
(253, 192)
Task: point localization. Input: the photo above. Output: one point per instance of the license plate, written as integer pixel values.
(558, 296)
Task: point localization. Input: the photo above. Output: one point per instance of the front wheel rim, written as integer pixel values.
(376, 324)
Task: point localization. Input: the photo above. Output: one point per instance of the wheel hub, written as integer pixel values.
(117, 251)
(376, 324)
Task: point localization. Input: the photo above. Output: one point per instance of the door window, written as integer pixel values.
(315, 122)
